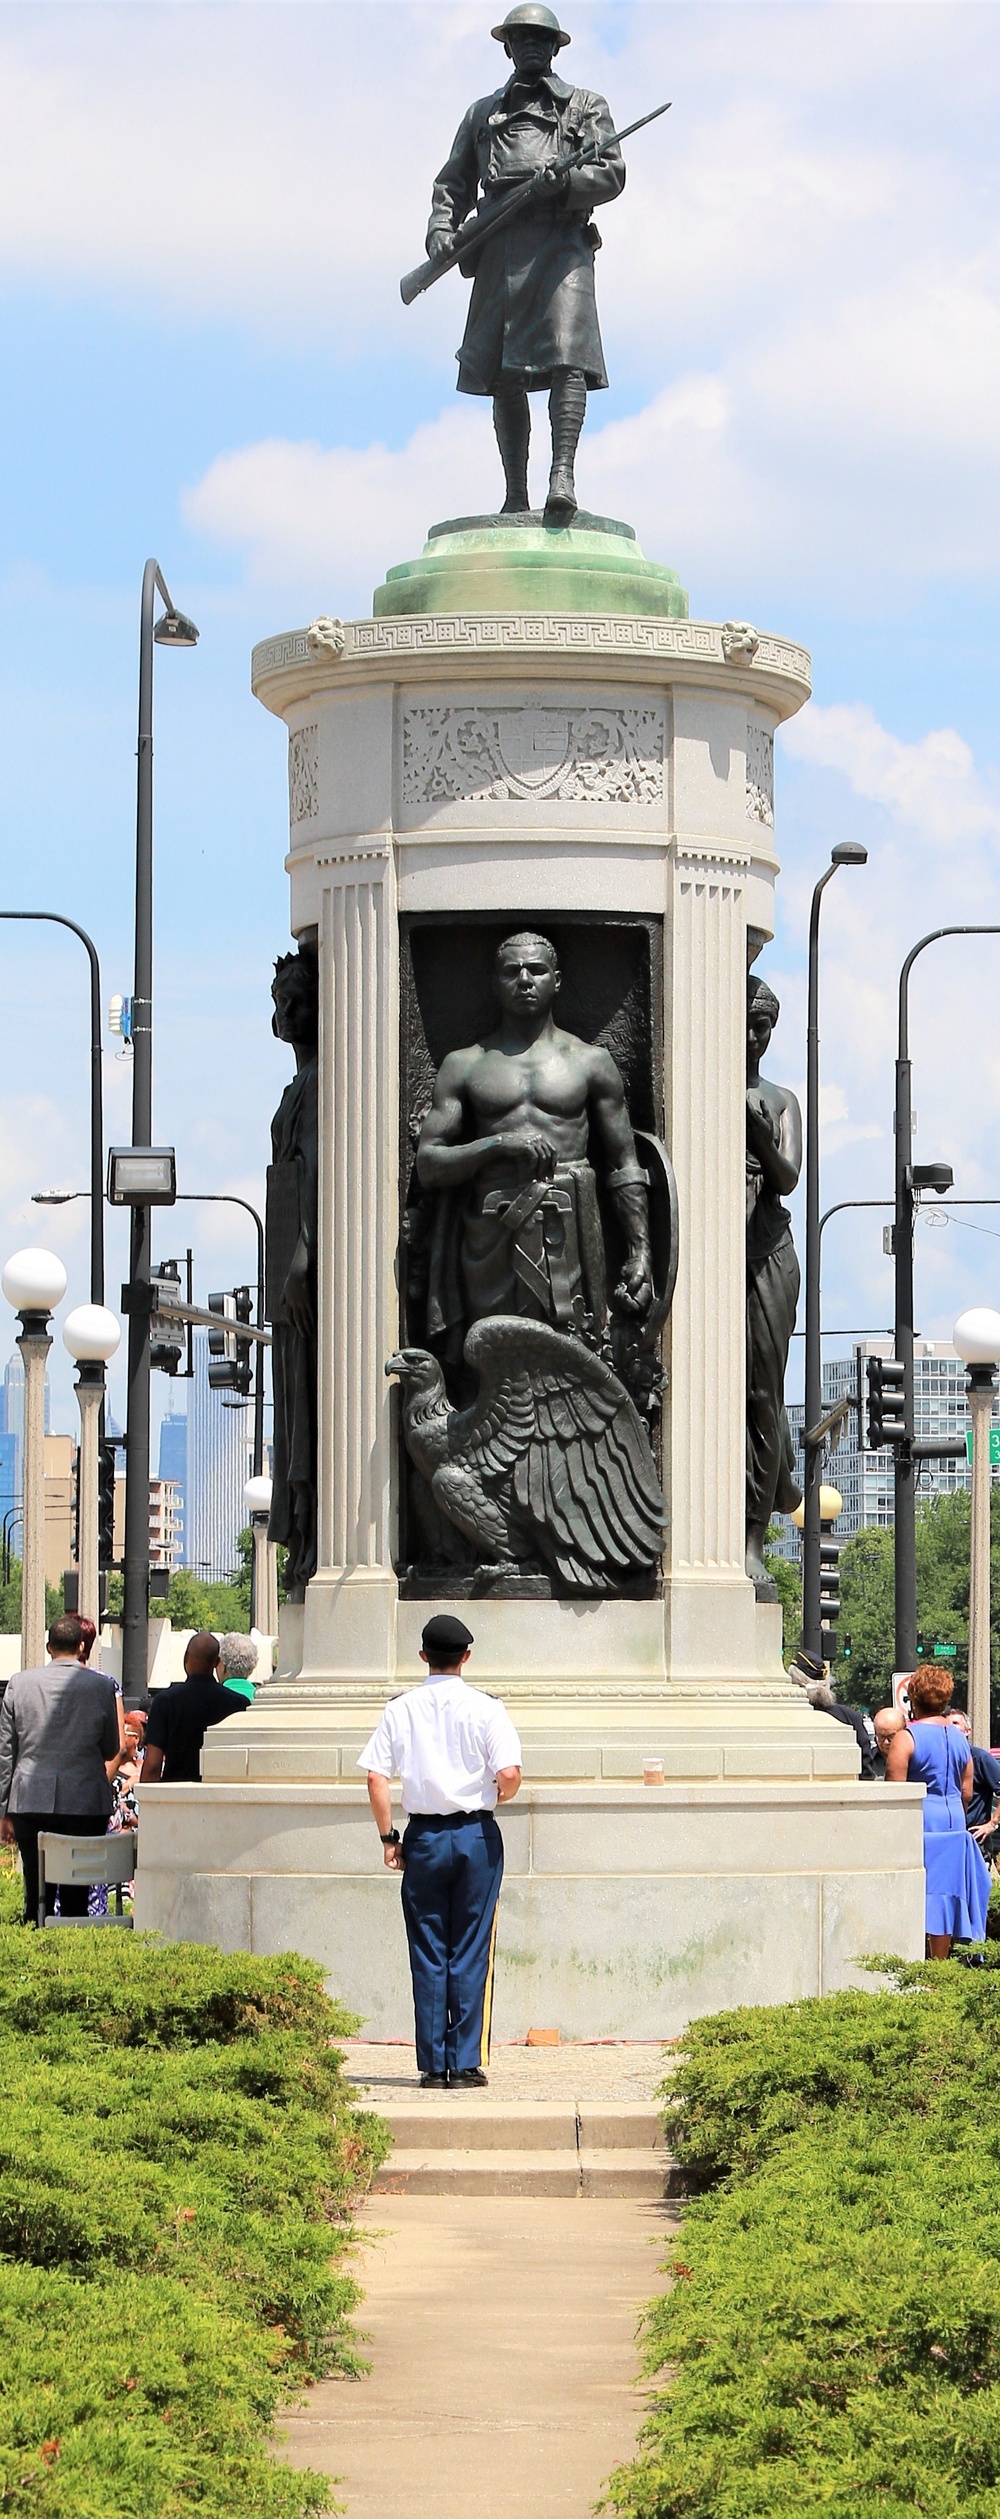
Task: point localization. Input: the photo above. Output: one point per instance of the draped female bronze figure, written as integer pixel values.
(774, 1161)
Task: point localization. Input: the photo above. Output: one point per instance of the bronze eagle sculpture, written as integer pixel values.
(551, 1462)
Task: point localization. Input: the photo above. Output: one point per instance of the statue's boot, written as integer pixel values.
(567, 412)
(512, 422)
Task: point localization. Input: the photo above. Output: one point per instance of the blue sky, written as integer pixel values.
(204, 212)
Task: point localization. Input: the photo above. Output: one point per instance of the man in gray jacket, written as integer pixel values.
(59, 1730)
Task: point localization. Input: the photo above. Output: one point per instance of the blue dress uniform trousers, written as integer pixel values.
(451, 1884)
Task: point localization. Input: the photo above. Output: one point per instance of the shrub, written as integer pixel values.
(179, 2155)
(832, 2336)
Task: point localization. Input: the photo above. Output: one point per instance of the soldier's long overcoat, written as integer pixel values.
(533, 306)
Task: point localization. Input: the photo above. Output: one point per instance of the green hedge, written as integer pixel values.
(178, 2160)
(831, 2343)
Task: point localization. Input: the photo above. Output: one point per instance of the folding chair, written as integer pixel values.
(86, 1863)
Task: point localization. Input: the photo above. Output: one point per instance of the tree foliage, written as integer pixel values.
(830, 2347)
(223, 1608)
(179, 2160)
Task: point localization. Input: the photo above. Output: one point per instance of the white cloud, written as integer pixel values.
(929, 815)
(932, 784)
(327, 518)
(804, 270)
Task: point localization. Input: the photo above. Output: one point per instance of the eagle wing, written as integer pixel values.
(556, 1432)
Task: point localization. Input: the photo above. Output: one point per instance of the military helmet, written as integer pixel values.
(530, 13)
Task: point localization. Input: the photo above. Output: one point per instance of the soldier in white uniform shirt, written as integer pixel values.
(457, 1755)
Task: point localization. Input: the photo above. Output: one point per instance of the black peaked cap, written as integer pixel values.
(446, 1635)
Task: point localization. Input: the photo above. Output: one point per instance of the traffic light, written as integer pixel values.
(107, 1459)
(885, 1403)
(846, 1648)
(167, 1346)
(829, 1582)
(230, 1366)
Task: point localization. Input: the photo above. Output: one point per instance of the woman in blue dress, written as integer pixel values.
(933, 1752)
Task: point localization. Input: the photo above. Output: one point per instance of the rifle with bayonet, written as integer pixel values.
(484, 223)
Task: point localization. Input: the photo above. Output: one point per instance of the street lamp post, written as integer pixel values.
(173, 629)
(34, 1282)
(976, 1336)
(910, 1179)
(257, 1499)
(91, 1335)
(846, 853)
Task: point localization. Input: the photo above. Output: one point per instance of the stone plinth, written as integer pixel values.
(515, 767)
(478, 563)
(625, 1912)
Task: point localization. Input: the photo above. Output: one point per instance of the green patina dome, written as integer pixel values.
(520, 564)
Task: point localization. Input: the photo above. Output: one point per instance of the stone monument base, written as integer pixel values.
(626, 1910)
(485, 563)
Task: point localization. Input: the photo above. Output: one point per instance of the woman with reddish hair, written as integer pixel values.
(933, 1752)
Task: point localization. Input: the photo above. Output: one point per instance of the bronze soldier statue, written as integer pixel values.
(533, 314)
(292, 1182)
(505, 1144)
(774, 1161)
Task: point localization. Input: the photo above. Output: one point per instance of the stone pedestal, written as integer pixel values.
(518, 767)
(521, 759)
(624, 1911)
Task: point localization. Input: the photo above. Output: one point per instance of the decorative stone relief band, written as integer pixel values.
(602, 756)
(303, 774)
(491, 634)
(760, 774)
(704, 859)
(368, 854)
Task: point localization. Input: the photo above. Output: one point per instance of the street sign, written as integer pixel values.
(945, 1652)
(994, 1446)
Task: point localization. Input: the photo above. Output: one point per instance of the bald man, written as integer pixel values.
(180, 1716)
(888, 1721)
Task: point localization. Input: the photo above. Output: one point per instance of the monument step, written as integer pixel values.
(475, 2122)
(428, 2171)
(471, 2145)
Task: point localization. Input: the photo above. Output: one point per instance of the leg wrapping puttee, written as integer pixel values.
(567, 412)
(512, 422)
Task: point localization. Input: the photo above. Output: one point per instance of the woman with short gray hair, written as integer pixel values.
(236, 1665)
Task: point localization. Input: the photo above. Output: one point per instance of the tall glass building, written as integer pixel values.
(173, 1466)
(219, 1450)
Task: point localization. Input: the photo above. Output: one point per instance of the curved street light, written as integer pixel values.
(173, 629)
(846, 853)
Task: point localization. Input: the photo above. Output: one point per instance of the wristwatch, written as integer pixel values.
(391, 1837)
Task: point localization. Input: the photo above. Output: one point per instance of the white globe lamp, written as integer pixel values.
(257, 1499)
(91, 1334)
(34, 1281)
(976, 1335)
(831, 1503)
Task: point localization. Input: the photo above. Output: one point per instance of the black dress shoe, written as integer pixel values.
(473, 2080)
(433, 2081)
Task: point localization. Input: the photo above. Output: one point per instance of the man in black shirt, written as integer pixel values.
(812, 1674)
(983, 1812)
(179, 1717)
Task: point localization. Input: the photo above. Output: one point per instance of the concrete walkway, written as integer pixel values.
(502, 2338)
